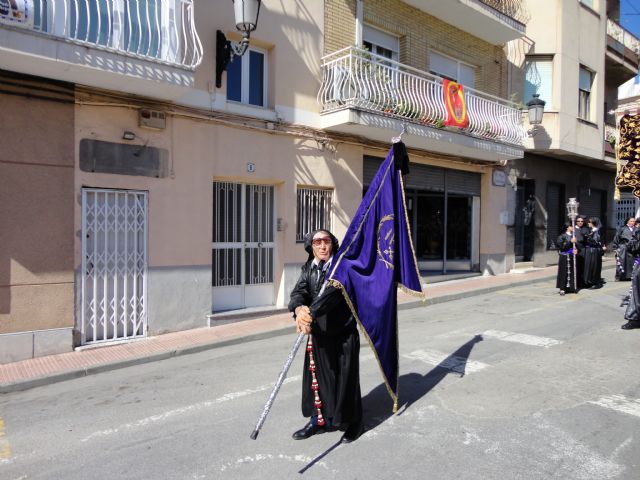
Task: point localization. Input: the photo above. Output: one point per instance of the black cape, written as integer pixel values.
(592, 259)
(624, 257)
(336, 348)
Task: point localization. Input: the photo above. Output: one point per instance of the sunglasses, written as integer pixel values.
(319, 241)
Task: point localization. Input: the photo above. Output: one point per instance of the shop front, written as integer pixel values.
(444, 213)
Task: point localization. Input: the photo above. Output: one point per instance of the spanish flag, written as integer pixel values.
(456, 107)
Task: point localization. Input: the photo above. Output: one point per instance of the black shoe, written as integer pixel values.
(352, 433)
(309, 430)
(630, 325)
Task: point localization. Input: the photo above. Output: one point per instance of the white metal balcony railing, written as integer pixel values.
(622, 36)
(160, 31)
(610, 136)
(356, 78)
(515, 9)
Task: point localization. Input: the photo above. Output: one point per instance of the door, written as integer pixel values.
(524, 220)
(429, 225)
(243, 246)
(593, 203)
(442, 224)
(114, 265)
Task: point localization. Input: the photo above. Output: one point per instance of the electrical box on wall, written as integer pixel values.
(152, 118)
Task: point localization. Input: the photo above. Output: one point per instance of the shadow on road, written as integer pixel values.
(377, 405)
(413, 386)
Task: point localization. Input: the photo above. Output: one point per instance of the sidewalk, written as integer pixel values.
(53, 368)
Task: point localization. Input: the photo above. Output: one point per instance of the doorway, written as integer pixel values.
(243, 246)
(525, 220)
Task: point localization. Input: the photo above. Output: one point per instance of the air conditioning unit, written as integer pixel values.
(152, 118)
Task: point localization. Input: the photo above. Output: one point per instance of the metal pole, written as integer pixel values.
(575, 253)
(277, 386)
(572, 212)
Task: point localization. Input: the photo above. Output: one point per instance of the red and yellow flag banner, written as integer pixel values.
(629, 151)
(456, 108)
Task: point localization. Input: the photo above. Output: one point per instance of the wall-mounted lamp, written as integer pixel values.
(128, 135)
(246, 13)
(536, 110)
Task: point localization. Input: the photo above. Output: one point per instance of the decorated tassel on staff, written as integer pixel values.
(314, 383)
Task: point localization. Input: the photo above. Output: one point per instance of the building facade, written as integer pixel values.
(142, 197)
(576, 68)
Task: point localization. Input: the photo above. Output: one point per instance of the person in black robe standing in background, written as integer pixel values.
(632, 300)
(565, 280)
(580, 231)
(624, 258)
(331, 394)
(593, 250)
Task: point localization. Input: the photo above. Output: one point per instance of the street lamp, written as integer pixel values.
(246, 13)
(536, 110)
(572, 213)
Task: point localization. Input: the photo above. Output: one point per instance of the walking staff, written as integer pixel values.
(572, 213)
(276, 387)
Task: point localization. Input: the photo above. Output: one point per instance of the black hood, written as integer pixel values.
(309, 237)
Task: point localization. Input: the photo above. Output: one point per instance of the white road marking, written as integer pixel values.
(620, 403)
(450, 362)
(268, 456)
(523, 338)
(189, 408)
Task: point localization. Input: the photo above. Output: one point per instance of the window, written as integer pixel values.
(538, 79)
(381, 43)
(588, 3)
(246, 78)
(555, 213)
(313, 210)
(584, 94)
(452, 69)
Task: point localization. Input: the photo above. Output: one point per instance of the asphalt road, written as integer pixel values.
(516, 384)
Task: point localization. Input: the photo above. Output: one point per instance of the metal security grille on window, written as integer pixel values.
(625, 207)
(314, 211)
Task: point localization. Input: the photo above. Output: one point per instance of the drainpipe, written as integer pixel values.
(359, 21)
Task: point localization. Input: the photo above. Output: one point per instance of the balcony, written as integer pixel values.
(371, 96)
(623, 54)
(494, 21)
(147, 47)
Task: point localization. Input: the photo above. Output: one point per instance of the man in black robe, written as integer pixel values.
(624, 258)
(331, 379)
(580, 231)
(565, 280)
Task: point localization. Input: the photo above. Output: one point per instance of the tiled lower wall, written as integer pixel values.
(37, 343)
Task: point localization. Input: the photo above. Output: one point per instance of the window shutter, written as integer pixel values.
(539, 79)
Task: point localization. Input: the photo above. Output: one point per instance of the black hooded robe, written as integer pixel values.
(625, 258)
(592, 274)
(336, 348)
(566, 272)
